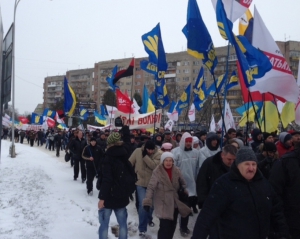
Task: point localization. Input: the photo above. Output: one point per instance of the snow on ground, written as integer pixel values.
(40, 200)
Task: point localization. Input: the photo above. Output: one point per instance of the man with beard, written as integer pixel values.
(211, 147)
(187, 159)
(243, 203)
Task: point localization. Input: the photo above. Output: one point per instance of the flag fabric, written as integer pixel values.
(6, 116)
(288, 114)
(248, 116)
(147, 103)
(234, 81)
(228, 117)
(61, 113)
(184, 100)
(157, 64)
(234, 8)
(123, 103)
(62, 126)
(169, 125)
(49, 113)
(297, 113)
(100, 119)
(23, 120)
(246, 25)
(124, 73)
(298, 77)
(161, 93)
(36, 119)
(212, 125)
(200, 91)
(110, 78)
(280, 80)
(111, 110)
(83, 113)
(199, 42)
(50, 122)
(135, 107)
(69, 99)
(192, 113)
(58, 119)
(172, 113)
(270, 116)
(103, 110)
(212, 90)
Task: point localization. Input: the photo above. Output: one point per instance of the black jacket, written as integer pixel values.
(113, 198)
(211, 169)
(76, 147)
(102, 143)
(265, 164)
(93, 151)
(58, 139)
(285, 179)
(244, 210)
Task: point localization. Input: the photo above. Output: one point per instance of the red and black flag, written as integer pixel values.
(124, 73)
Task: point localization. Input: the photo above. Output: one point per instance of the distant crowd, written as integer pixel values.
(249, 188)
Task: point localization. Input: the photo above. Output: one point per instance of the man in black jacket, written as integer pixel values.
(285, 179)
(93, 155)
(243, 203)
(76, 147)
(57, 142)
(102, 141)
(213, 168)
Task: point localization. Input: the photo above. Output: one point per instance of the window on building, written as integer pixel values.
(295, 53)
(178, 63)
(186, 78)
(177, 79)
(222, 59)
(178, 71)
(137, 91)
(137, 83)
(186, 71)
(232, 58)
(186, 63)
(138, 76)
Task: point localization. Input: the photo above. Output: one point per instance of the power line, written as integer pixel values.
(29, 81)
(48, 61)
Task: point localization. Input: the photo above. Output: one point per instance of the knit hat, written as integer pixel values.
(167, 146)
(93, 139)
(284, 137)
(195, 140)
(113, 138)
(149, 145)
(239, 142)
(266, 135)
(166, 155)
(269, 147)
(245, 154)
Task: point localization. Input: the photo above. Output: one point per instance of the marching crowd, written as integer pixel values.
(243, 190)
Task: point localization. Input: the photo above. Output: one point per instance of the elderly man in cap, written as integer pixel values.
(168, 138)
(243, 203)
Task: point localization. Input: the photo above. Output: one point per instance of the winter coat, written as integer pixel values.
(285, 179)
(76, 147)
(244, 209)
(265, 164)
(22, 134)
(102, 143)
(210, 171)
(188, 162)
(112, 201)
(93, 151)
(282, 149)
(205, 153)
(144, 166)
(164, 193)
(171, 141)
(58, 140)
(256, 142)
(50, 136)
(32, 135)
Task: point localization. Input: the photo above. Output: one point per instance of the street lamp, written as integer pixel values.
(12, 148)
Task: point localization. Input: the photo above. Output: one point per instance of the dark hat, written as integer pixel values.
(132, 136)
(93, 139)
(113, 138)
(266, 135)
(143, 137)
(202, 132)
(167, 131)
(149, 145)
(284, 137)
(269, 147)
(94, 134)
(245, 154)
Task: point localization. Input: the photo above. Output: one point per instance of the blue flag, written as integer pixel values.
(103, 110)
(234, 81)
(200, 91)
(49, 113)
(162, 93)
(157, 64)
(100, 119)
(70, 99)
(184, 100)
(83, 113)
(199, 42)
(111, 77)
(172, 107)
(212, 90)
(36, 119)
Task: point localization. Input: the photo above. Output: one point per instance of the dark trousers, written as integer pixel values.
(295, 233)
(40, 142)
(184, 221)
(80, 161)
(193, 201)
(167, 227)
(90, 175)
(22, 138)
(31, 142)
(51, 145)
(57, 149)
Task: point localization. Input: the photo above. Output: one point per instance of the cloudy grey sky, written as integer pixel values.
(53, 36)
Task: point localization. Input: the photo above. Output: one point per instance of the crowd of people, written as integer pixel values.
(243, 189)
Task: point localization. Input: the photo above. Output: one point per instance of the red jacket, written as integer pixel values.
(282, 149)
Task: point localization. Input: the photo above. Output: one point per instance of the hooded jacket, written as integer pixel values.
(208, 150)
(256, 142)
(280, 145)
(188, 162)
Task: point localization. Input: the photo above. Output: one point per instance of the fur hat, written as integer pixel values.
(245, 154)
(166, 155)
(113, 138)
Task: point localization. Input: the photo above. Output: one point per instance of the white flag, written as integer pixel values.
(174, 115)
(279, 80)
(135, 107)
(191, 114)
(7, 116)
(234, 8)
(169, 125)
(228, 117)
(111, 110)
(212, 126)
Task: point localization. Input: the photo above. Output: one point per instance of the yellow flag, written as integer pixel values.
(288, 114)
(251, 116)
(271, 117)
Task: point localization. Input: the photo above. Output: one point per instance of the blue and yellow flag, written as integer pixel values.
(199, 42)
(212, 90)
(233, 81)
(147, 103)
(70, 99)
(100, 119)
(199, 87)
(111, 77)
(162, 93)
(103, 110)
(83, 113)
(49, 113)
(36, 119)
(184, 100)
(246, 25)
(157, 64)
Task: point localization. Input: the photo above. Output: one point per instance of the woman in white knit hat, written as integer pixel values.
(162, 192)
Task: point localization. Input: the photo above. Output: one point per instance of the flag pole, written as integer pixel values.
(255, 113)
(279, 115)
(155, 93)
(110, 116)
(133, 77)
(188, 110)
(264, 110)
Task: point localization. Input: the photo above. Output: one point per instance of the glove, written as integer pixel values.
(144, 153)
(147, 208)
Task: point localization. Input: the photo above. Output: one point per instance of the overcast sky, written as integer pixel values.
(53, 36)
